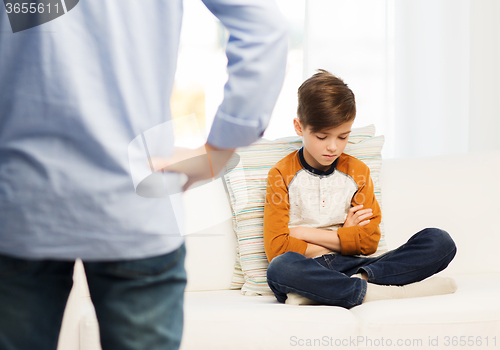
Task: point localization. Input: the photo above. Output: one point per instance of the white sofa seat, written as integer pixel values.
(227, 320)
(458, 193)
(472, 311)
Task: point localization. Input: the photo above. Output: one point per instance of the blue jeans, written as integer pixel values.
(139, 303)
(326, 279)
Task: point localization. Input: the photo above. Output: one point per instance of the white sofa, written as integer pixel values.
(458, 193)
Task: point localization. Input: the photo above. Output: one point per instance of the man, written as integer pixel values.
(75, 91)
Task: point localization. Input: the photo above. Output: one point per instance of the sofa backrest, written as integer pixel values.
(457, 193)
(210, 238)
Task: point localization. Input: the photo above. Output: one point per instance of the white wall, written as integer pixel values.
(425, 72)
(432, 77)
(349, 39)
(447, 73)
(484, 90)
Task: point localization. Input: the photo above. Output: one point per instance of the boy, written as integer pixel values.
(321, 215)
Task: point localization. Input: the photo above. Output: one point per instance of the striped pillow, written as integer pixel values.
(369, 151)
(247, 181)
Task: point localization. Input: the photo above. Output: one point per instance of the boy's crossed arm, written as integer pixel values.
(319, 241)
(323, 241)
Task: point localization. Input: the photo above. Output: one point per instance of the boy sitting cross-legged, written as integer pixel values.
(321, 217)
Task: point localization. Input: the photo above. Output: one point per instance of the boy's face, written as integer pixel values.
(323, 147)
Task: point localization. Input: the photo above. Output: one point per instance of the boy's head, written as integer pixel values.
(325, 102)
(325, 112)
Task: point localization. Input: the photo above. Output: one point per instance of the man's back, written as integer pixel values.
(75, 94)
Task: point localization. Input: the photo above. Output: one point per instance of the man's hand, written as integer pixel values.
(198, 164)
(358, 216)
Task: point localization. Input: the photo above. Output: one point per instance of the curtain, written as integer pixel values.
(425, 72)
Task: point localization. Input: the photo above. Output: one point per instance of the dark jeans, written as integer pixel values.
(139, 303)
(325, 279)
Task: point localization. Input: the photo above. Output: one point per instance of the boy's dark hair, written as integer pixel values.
(325, 102)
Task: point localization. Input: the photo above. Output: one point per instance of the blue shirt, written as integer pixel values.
(78, 92)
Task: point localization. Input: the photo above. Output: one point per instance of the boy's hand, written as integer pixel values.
(314, 250)
(358, 216)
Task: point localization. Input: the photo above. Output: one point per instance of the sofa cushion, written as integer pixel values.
(210, 256)
(471, 314)
(210, 238)
(226, 320)
(247, 181)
